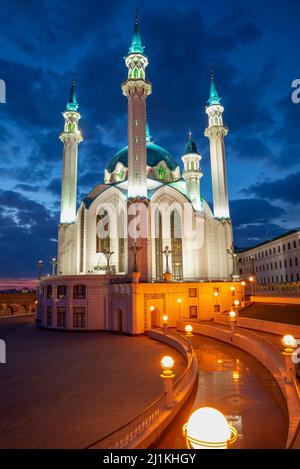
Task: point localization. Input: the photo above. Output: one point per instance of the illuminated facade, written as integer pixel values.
(145, 206)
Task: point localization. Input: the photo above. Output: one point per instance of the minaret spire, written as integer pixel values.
(192, 172)
(216, 131)
(71, 137)
(137, 88)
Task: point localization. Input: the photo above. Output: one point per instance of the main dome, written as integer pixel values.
(155, 154)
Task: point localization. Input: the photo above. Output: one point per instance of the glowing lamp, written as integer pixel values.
(243, 283)
(236, 375)
(167, 364)
(232, 288)
(232, 314)
(207, 428)
(165, 318)
(189, 329)
(236, 302)
(289, 343)
(179, 301)
(152, 308)
(251, 279)
(216, 294)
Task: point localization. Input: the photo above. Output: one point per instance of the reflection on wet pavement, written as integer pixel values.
(237, 385)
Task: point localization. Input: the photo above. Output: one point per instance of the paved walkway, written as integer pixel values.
(67, 389)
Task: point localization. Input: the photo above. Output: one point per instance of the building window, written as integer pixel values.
(274, 250)
(78, 317)
(192, 292)
(136, 122)
(61, 316)
(295, 244)
(284, 262)
(102, 231)
(136, 157)
(297, 276)
(292, 277)
(278, 249)
(49, 316)
(296, 260)
(79, 292)
(291, 262)
(289, 245)
(158, 245)
(49, 291)
(193, 312)
(81, 240)
(280, 264)
(61, 291)
(161, 173)
(136, 139)
(215, 290)
(283, 247)
(176, 242)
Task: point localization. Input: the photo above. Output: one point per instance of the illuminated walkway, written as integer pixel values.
(66, 389)
(236, 384)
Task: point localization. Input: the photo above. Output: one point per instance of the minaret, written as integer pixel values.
(136, 88)
(216, 133)
(71, 137)
(192, 172)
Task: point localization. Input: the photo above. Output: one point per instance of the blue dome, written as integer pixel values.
(155, 154)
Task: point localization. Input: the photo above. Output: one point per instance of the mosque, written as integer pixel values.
(144, 242)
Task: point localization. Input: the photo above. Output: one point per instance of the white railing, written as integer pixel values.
(129, 434)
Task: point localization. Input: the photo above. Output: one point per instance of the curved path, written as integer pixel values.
(240, 387)
(67, 389)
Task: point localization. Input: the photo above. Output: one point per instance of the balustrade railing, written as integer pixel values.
(125, 436)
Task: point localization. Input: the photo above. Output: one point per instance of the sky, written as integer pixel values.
(254, 48)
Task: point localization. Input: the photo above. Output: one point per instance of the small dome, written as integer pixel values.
(155, 154)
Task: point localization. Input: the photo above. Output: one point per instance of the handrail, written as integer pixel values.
(123, 436)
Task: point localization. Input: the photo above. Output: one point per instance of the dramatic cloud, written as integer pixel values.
(285, 189)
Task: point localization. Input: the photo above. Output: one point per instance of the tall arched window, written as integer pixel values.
(121, 234)
(136, 73)
(158, 245)
(176, 241)
(81, 247)
(102, 231)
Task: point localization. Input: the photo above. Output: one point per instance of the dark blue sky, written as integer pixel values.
(254, 46)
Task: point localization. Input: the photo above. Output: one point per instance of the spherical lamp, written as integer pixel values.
(207, 428)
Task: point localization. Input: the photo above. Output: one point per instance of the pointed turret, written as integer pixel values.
(149, 138)
(191, 146)
(192, 172)
(72, 104)
(136, 44)
(213, 94)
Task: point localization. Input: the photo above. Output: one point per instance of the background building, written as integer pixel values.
(275, 261)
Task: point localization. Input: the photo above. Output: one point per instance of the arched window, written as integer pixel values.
(216, 121)
(141, 73)
(161, 173)
(79, 292)
(135, 73)
(102, 231)
(158, 245)
(176, 242)
(121, 234)
(81, 247)
(192, 166)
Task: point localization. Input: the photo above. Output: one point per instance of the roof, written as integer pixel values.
(155, 154)
(288, 233)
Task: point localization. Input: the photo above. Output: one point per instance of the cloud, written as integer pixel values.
(285, 189)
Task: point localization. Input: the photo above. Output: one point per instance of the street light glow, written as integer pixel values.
(207, 428)
(289, 341)
(189, 329)
(165, 318)
(167, 363)
(232, 314)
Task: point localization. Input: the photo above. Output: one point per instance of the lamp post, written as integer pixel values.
(108, 255)
(252, 260)
(179, 301)
(251, 280)
(167, 375)
(216, 294)
(233, 290)
(207, 428)
(289, 342)
(135, 249)
(167, 252)
(40, 268)
(53, 263)
(165, 323)
(189, 335)
(243, 283)
(236, 304)
(232, 319)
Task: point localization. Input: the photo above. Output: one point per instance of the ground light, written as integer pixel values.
(251, 280)
(165, 323)
(207, 428)
(189, 335)
(232, 319)
(289, 342)
(167, 375)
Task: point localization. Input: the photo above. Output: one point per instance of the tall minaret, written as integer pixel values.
(136, 88)
(192, 172)
(216, 133)
(71, 137)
